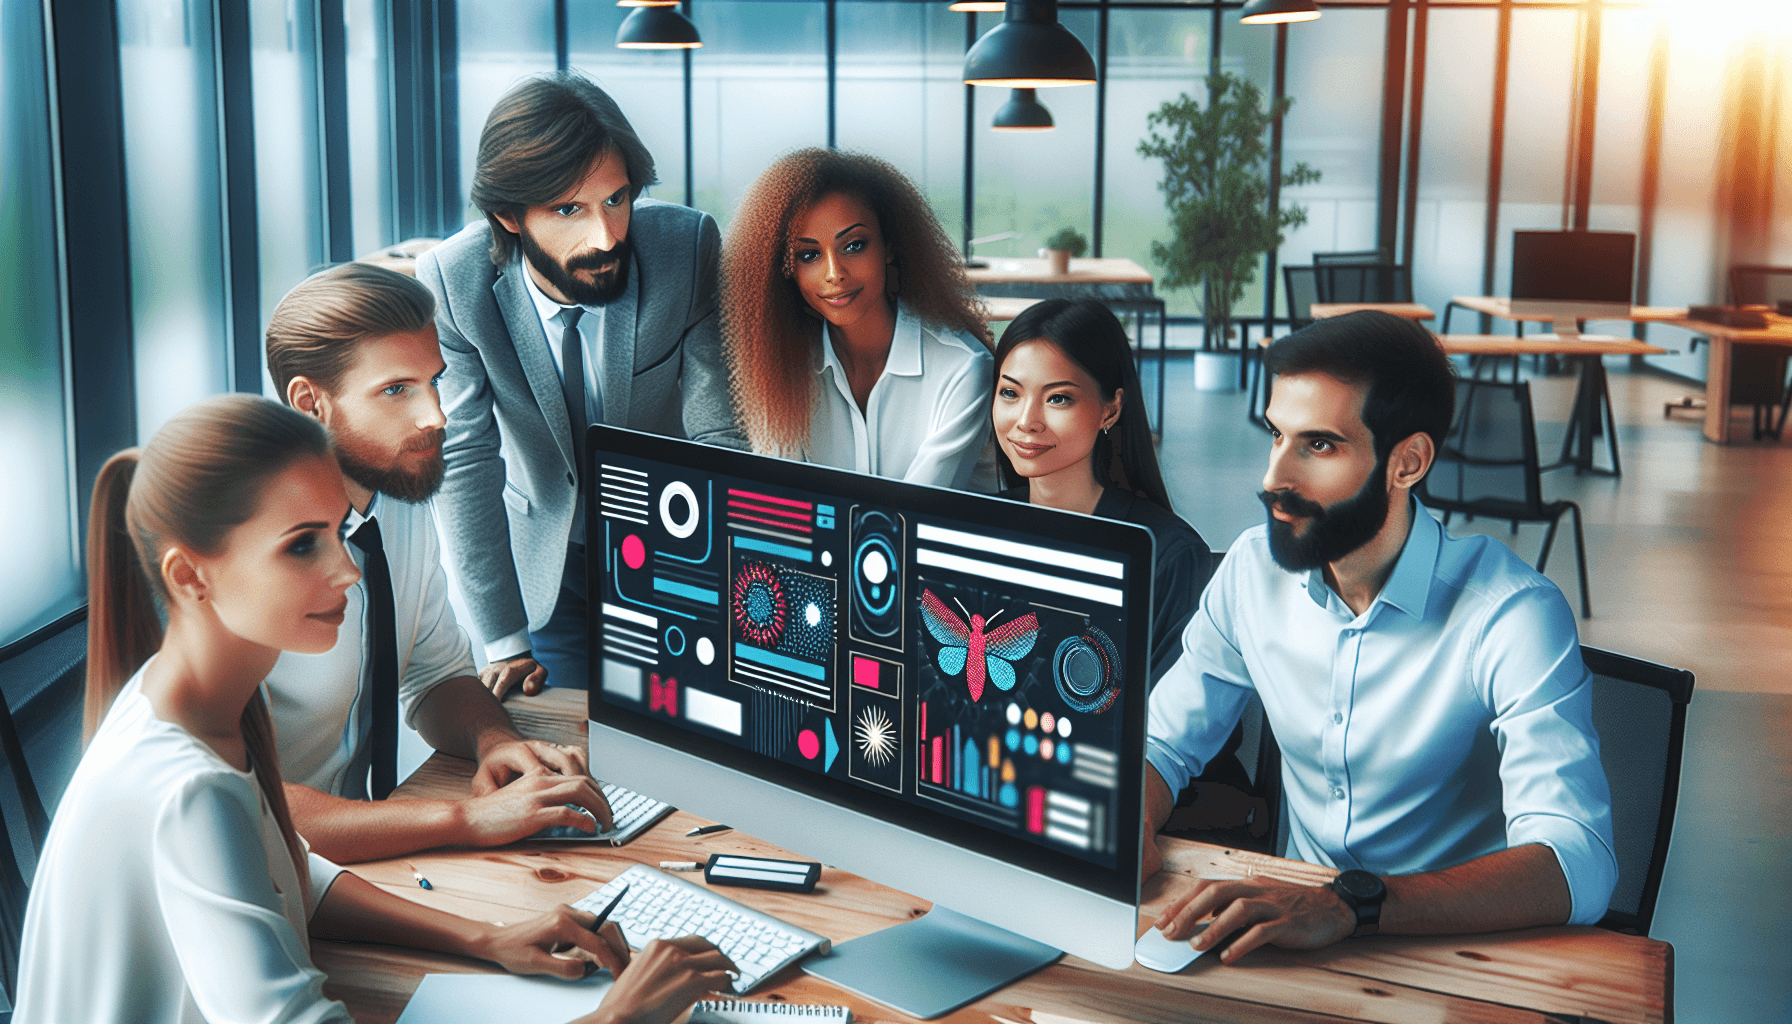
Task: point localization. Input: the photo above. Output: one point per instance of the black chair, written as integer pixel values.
(1350, 259)
(1301, 290)
(1758, 372)
(1488, 466)
(1639, 710)
(1364, 282)
(1261, 759)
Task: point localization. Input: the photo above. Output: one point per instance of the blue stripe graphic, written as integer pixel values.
(801, 668)
(686, 591)
(781, 550)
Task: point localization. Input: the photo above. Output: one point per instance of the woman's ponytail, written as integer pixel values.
(123, 628)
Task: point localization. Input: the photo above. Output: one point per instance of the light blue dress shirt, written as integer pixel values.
(1450, 720)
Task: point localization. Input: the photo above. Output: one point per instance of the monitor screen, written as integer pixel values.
(1583, 266)
(960, 665)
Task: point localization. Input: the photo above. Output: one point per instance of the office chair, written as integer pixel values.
(1364, 282)
(1488, 466)
(1639, 710)
(1757, 372)
(1350, 259)
(1262, 761)
(1301, 290)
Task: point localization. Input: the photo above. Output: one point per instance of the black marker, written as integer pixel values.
(707, 829)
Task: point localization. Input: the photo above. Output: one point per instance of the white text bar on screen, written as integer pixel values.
(1014, 549)
(1020, 577)
(630, 615)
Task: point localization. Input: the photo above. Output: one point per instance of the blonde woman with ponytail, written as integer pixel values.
(172, 886)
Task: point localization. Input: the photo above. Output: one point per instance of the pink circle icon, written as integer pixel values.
(808, 744)
(634, 553)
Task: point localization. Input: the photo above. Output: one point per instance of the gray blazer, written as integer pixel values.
(506, 505)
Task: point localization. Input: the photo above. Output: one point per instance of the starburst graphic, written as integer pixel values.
(761, 610)
(876, 735)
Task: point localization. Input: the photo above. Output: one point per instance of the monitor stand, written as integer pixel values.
(932, 965)
(1567, 328)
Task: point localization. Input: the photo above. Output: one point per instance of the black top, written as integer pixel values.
(1184, 564)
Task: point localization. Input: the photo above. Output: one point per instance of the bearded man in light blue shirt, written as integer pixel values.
(1427, 692)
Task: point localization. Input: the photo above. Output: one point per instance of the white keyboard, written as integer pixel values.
(630, 812)
(659, 906)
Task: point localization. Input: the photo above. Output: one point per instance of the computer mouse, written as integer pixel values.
(1161, 954)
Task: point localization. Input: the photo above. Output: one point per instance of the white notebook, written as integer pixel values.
(742, 1011)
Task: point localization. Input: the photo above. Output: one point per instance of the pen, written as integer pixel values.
(679, 865)
(418, 875)
(602, 916)
(707, 829)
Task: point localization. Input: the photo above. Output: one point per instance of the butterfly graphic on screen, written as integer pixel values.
(979, 655)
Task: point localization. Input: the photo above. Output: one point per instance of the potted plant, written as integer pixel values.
(1216, 186)
(1061, 248)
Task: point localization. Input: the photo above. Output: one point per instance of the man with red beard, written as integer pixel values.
(355, 346)
(1427, 691)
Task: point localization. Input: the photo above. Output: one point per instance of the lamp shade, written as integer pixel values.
(1029, 50)
(1271, 12)
(657, 28)
(1023, 113)
(974, 6)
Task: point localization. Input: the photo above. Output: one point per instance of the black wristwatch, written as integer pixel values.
(1362, 892)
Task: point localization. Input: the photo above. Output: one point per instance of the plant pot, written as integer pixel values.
(1058, 261)
(1216, 371)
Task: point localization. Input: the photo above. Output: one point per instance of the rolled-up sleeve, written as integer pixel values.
(1530, 671)
(1199, 700)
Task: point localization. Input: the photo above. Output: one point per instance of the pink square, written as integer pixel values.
(864, 672)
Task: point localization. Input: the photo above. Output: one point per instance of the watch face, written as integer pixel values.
(1360, 884)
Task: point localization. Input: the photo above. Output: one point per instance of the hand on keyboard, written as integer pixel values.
(658, 906)
(633, 814)
(663, 981)
(504, 763)
(528, 805)
(531, 947)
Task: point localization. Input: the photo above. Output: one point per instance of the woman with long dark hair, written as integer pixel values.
(172, 886)
(1070, 421)
(852, 335)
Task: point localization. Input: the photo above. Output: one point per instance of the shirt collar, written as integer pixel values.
(355, 519)
(1409, 586)
(904, 359)
(546, 308)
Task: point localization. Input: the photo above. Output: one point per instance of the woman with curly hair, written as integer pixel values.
(853, 337)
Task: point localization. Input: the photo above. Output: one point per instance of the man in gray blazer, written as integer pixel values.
(570, 269)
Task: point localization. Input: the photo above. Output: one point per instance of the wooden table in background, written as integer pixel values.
(1529, 977)
(1403, 310)
(1003, 308)
(1717, 369)
(1500, 307)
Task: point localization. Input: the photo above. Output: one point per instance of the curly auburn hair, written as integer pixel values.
(769, 332)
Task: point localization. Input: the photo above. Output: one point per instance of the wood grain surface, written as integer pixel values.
(1529, 977)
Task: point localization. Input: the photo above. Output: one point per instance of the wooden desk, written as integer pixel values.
(1546, 344)
(1003, 308)
(1018, 270)
(1717, 369)
(1404, 310)
(1508, 977)
(1500, 306)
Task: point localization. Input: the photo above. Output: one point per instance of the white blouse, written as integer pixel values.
(927, 416)
(165, 891)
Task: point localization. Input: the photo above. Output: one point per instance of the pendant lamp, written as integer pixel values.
(1271, 12)
(975, 6)
(657, 27)
(1023, 113)
(1029, 50)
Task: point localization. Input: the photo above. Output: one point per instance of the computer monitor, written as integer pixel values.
(940, 691)
(1572, 276)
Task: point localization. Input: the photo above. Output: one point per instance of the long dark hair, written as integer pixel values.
(1088, 333)
(196, 480)
(769, 333)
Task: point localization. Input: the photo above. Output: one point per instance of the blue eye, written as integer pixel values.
(807, 255)
(1058, 399)
(393, 390)
(567, 209)
(617, 198)
(436, 381)
(305, 544)
(856, 245)
(1008, 393)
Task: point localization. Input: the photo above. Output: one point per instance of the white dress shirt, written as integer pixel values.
(927, 416)
(591, 331)
(320, 702)
(1450, 720)
(165, 891)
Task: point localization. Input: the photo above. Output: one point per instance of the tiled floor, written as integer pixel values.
(1690, 558)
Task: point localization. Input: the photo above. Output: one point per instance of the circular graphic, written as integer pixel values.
(675, 641)
(634, 553)
(706, 650)
(678, 489)
(1030, 744)
(876, 735)
(1063, 753)
(1087, 671)
(875, 566)
(1031, 718)
(1046, 721)
(1008, 796)
(812, 614)
(760, 608)
(1045, 748)
(827, 558)
(1012, 739)
(1064, 728)
(807, 744)
(1013, 714)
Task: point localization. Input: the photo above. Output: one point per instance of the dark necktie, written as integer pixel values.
(382, 618)
(572, 382)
